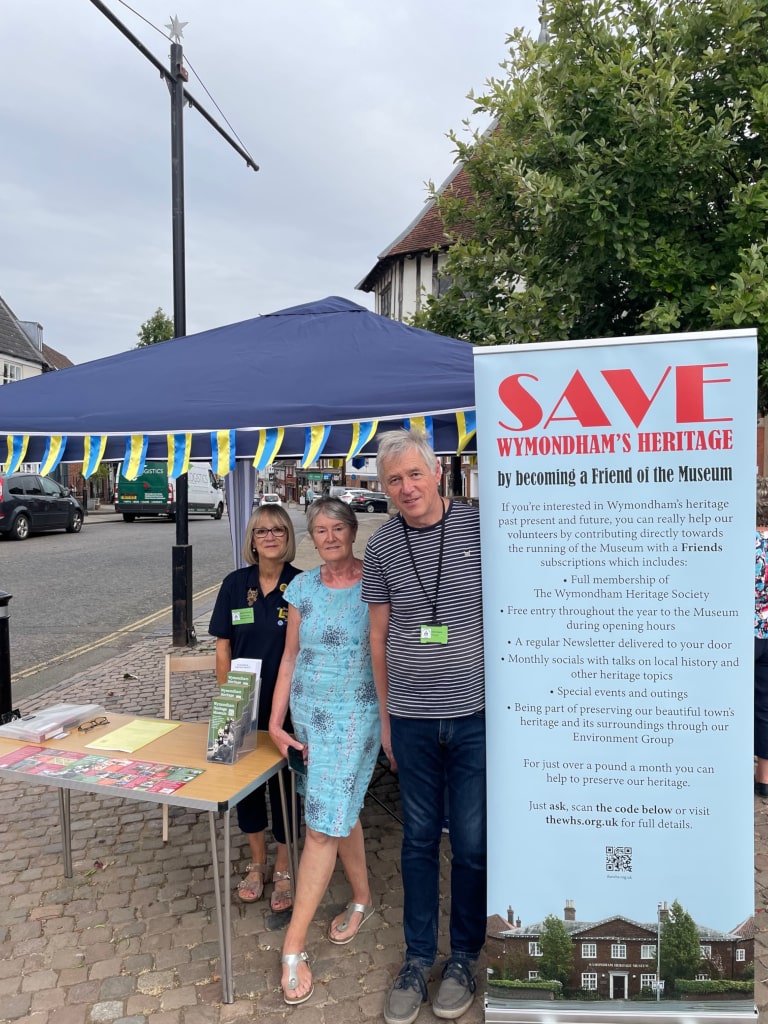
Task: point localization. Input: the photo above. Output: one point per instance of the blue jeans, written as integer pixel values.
(433, 754)
(761, 697)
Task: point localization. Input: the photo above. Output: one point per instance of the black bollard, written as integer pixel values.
(6, 696)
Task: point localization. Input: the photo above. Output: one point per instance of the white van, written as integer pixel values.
(154, 492)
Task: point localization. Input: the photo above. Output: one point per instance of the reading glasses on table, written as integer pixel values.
(93, 724)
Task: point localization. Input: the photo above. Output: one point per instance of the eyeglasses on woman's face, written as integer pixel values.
(260, 532)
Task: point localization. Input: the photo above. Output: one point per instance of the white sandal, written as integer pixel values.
(292, 961)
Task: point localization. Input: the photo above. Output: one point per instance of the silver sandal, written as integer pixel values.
(292, 961)
(366, 909)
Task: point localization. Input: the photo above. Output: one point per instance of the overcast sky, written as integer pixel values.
(344, 104)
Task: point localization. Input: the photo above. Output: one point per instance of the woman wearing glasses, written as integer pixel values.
(327, 677)
(258, 630)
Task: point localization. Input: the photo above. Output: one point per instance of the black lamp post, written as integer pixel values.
(175, 77)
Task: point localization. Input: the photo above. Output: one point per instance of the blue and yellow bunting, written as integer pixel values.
(466, 425)
(93, 452)
(315, 439)
(222, 451)
(179, 450)
(17, 449)
(135, 455)
(421, 424)
(268, 446)
(362, 433)
(54, 450)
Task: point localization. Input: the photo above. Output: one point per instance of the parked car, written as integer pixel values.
(347, 494)
(369, 501)
(270, 499)
(33, 504)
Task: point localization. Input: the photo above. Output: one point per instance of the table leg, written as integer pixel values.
(223, 910)
(66, 830)
(292, 834)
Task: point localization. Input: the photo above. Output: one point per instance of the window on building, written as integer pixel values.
(619, 951)
(647, 980)
(11, 371)
(534, 949)
(385, 300)
(741, 954)
(589, 982)
(647, 952)
(533, 975)
(444, 284)
(706, 952)
(588, 950)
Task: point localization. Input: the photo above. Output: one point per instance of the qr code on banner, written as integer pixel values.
(618, 858)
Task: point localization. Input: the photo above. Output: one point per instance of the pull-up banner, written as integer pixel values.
(617, 499)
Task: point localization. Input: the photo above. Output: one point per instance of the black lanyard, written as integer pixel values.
(432, 601)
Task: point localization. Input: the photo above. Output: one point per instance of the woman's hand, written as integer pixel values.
(386, 743)
(283, 740)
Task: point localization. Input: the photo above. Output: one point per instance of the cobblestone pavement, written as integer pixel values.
(131, 937)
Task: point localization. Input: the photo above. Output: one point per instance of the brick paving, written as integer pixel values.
(131, 938)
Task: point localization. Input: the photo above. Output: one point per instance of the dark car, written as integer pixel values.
(33, 504)
(369, 501)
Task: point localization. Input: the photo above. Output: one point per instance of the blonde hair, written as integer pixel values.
(274, 515)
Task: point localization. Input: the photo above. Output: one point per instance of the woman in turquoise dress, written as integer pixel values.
(326, 677)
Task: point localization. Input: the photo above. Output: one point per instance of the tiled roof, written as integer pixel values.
(55, 359)
(425, 232)
(746, 930)
(13, 341)
(498, 925)
(575, 927)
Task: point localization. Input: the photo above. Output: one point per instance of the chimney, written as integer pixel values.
(510, 915)
(569, 913)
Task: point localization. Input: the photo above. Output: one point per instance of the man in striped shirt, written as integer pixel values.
(421, 579)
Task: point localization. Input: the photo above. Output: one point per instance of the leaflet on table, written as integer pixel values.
(99, 769)
(48, 722)
(224, 730)
(249, 665)
(133, 736)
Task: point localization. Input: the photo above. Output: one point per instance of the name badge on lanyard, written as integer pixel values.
(434, 633)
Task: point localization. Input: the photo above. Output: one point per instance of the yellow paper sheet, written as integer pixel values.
(132, 736)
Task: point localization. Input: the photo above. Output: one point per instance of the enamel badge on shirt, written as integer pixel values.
(434, 634)
(242, 616)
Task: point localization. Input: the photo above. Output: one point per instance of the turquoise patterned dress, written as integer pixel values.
(333, 702)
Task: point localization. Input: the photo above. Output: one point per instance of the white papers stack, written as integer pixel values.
(48, 722)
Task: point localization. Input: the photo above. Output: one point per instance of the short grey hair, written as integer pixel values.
(334, 508)
(394, 444)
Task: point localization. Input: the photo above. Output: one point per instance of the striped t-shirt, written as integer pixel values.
(430, 680)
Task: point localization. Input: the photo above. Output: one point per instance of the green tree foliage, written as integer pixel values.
(680, 946)
(159, 327)
(624, 180)
(556, 961)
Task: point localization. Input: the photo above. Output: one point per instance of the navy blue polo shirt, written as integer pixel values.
(264, 637)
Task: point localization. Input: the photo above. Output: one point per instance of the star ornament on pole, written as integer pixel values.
(176, 28)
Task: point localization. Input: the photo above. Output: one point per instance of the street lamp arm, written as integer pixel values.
(166, 74)
(214, 124)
